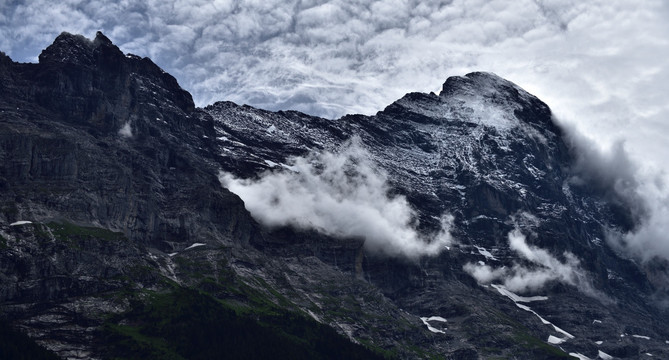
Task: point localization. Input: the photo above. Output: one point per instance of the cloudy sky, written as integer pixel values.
(601, 65)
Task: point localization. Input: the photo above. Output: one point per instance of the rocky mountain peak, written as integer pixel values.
(478, 99)
(496, 101)
(100, 39)
(93, 83)
(4, 58)
(77, 49)
(481, 83)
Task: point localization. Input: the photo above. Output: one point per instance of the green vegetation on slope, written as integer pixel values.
(517, 334)
(66, 231)
(189, 324)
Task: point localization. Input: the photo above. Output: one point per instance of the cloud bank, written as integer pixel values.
(546, 268)
(343, 195)
(621, 180)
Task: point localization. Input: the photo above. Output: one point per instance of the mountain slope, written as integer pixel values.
(446, 225)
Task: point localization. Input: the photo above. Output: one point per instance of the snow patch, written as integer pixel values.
(546, 322)
(169, 270)
(579, 356)
(483, 251)
(426, 321)
(292, 168)
(555, 340)
(604, 356)
(271, 163)
(596, 322)
(599, 342)
(311, 313)
(22, 222)
(641, 337)
(517, 298)
(194, 246)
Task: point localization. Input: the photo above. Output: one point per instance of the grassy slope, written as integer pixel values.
(189, 324)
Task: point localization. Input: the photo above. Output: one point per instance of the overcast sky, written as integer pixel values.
(601, 65)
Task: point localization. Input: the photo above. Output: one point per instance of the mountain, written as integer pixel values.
(454, 225)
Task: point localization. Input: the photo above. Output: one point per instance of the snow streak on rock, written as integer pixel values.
(427, 320)
(516, 299)
(22, 222)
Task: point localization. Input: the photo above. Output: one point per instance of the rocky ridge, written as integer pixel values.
(116, 170)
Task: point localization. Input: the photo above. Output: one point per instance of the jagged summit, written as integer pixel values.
(481, 83)
(94, 84)
(487, 94)
(77, 49)
(100, 38)
(479, 98)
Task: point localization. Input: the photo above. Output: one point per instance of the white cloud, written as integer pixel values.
(485, 274)
(642, 190)
(545, 268)
(343, 195)
(648, 240)
(126, 130)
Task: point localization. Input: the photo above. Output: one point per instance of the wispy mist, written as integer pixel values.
(544, 268)
(341, 194)
(624, 181)
(126, 130)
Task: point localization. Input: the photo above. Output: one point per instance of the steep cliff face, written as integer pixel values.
(93, 139)
(112, 206)
(100, 138)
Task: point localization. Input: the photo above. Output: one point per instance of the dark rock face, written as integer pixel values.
(117, 170)
(73, 145)
(66, 158)
(94, 83)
